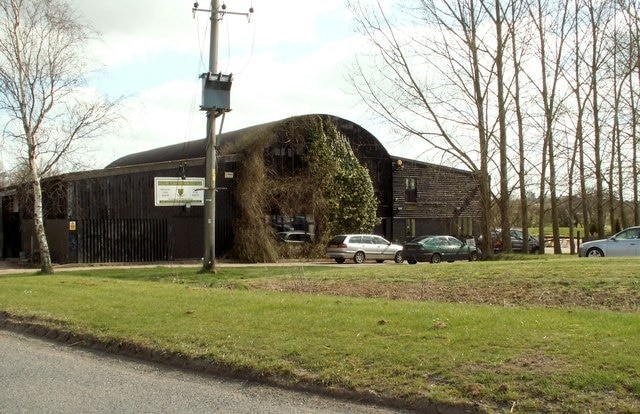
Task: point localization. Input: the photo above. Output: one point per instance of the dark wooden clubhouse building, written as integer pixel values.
(113, 214)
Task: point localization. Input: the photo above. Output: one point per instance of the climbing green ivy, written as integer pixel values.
(335, 189)
(349, 204)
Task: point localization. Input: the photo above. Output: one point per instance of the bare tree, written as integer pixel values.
(43, 66)
(615, 160)
(577, 162)
(596, 21)
(518, 49)
(550, 21)
(430, 83)
(496, 85)
(627, 54)
(504, 199)
(633, 22)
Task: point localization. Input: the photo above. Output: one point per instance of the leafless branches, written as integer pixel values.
(541, 94)
(47, 110)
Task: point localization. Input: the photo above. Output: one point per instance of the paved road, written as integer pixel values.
(37, 376)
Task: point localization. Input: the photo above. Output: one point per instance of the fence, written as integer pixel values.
(122, 240)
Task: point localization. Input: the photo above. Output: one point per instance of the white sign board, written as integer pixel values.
(174, 191)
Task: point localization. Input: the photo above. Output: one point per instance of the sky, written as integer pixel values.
(290, 58)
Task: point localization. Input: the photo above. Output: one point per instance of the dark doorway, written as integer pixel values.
(10, 235)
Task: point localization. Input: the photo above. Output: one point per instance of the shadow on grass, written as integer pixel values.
(193, 275)
(524, 256)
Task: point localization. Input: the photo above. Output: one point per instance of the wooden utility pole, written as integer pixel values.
(216, 101)
(209, 258)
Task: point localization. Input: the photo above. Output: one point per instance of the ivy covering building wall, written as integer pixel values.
(330, 185)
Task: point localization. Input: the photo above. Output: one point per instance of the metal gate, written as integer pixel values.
(122, 240)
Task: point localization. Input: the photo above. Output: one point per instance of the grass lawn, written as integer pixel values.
(539, 335)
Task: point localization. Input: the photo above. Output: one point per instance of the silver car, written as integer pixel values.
(623, 243)
(361, 247)
(295, 236)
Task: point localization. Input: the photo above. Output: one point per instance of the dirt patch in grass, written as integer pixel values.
(500, 293)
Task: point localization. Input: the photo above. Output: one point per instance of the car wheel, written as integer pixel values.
(412, 261)
(358, 257)
(436, 258)
(398, 257)
(473, 256)
(379, 261)
(595, 252)
(339, 260)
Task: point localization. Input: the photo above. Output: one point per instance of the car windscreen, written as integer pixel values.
(338, 239)
(421, 239)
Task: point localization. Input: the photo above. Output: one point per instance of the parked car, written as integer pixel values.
(517, 241)
(435, 249)
(295, 236)
(361, 247)
(623, 243)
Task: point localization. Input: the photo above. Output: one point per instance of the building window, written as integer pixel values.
(411, 191)
(286, 158)
(410, 228)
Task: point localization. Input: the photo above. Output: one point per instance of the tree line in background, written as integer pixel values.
(538, 97)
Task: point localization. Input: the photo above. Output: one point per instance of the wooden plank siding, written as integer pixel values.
(116, 220)
(444, 198)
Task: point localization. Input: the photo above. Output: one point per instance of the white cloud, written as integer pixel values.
(291, 59)
(134, 30)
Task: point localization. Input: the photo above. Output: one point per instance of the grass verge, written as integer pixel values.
(353, 328)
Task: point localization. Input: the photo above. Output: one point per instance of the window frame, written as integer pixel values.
(410, 228)
(411, 189)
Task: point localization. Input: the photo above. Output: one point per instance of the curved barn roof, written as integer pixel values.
(196, 149)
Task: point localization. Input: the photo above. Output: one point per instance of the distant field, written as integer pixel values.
(564, 231)
(545, 334)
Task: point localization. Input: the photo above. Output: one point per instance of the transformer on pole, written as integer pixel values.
(216, 98)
